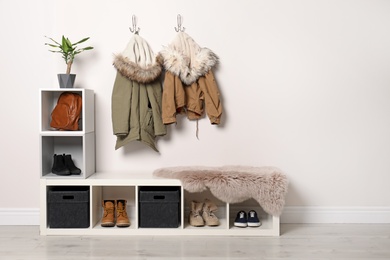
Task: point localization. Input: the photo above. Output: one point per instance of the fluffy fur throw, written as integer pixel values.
(234, 184)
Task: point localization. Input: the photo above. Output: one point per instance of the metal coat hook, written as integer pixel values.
(179, 22)
(135, 29)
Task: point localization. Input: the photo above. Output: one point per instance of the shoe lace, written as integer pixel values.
(120, 211)
(108, 211)
(210, 213)
(196, 213)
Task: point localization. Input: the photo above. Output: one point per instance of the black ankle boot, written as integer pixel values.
(70, 165)
(59, 166)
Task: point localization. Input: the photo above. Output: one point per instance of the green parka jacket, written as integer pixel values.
(137, 95)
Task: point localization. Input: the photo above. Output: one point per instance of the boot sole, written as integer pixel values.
(196, 224)
(110, 224)
(61, 173)
(123, 225)
(212, 224)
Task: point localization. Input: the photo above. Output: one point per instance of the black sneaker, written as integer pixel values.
(253, 220)
(241, 220)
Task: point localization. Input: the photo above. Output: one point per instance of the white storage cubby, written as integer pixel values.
(109, 192)
(79, 144)
(48, 100)
(201, 197)
(126, 186)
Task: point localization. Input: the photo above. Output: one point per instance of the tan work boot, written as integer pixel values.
(195, 217)
(108, 219)
(208, 213)
(122, 220)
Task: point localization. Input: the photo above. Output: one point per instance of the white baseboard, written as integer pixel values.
(19, 216)
(350, 215)
(300, 215)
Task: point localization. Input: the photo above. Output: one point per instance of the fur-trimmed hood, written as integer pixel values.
(186, 59)
(138, 62)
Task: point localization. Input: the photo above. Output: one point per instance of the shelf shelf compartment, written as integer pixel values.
(81, 148)
(48, 101)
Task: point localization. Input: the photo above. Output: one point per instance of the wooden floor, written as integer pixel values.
(320, 241)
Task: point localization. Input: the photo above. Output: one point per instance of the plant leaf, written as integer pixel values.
(68, 43)
(83, 40)
(52, 45)
(64, 46)
(53, 40)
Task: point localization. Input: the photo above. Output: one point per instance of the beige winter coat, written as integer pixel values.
(189, 83)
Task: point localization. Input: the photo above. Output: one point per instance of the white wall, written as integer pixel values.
(305, 87)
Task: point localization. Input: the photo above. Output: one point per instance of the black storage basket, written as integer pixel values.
(68, 207)
(159, 207)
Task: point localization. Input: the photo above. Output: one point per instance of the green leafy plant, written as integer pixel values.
(68, 50)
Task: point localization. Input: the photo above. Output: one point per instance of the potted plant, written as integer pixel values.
(68, 50)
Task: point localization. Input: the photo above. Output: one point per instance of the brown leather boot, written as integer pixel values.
(108, 219)
(195, 217)
(122, 220)
(208, 213)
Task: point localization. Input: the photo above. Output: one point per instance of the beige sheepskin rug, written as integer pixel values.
(234, 184)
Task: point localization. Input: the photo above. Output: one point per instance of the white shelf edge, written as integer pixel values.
(55, 133)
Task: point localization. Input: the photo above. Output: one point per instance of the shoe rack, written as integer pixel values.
(127, 185)
(80, 144)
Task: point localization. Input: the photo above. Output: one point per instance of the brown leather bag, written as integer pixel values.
(66, 114)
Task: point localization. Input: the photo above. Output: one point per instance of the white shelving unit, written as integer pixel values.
(109, 185)
(80, 144)
(126, 186)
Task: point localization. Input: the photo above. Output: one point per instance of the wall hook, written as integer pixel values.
(179, 22)
(134, 30)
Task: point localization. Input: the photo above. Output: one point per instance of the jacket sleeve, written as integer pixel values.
(173, 99)
(120, 105)
(154, 91)
(212, 100)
